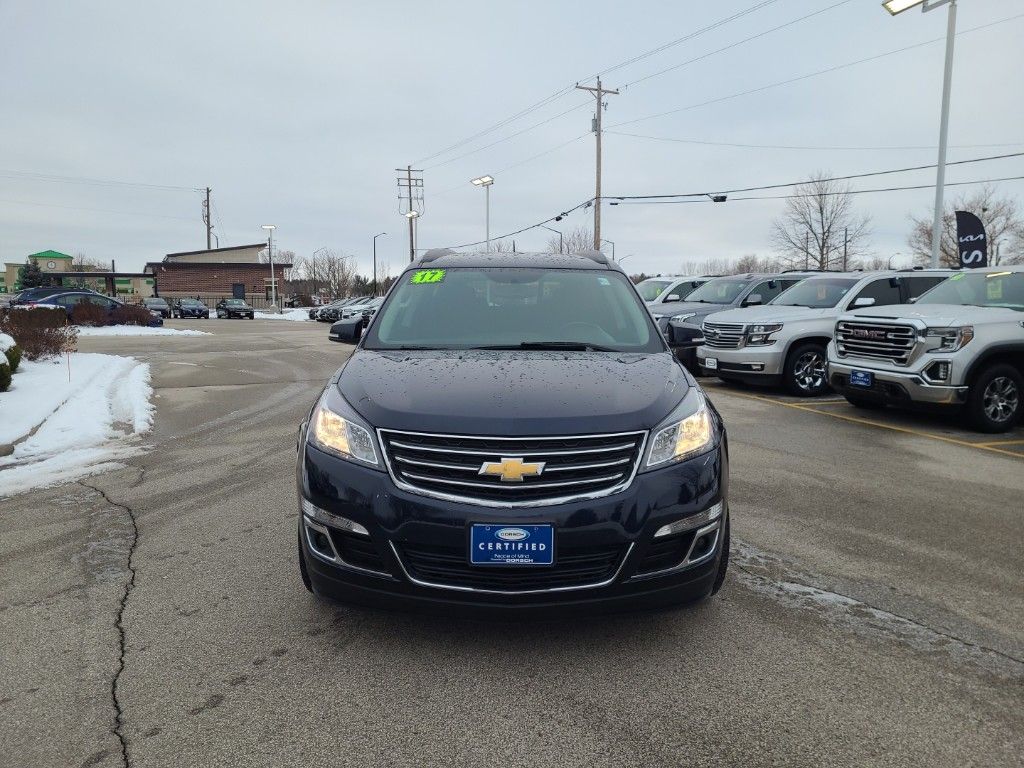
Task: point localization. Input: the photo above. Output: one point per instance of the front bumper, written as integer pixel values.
(761, 363)
(893, 387)
(382, 567)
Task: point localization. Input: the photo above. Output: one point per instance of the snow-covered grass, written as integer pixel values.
(136, 330)
(63, 430)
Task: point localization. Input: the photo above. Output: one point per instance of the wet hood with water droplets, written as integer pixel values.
(512, 393)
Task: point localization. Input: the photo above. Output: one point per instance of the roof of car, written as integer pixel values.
(444, 258)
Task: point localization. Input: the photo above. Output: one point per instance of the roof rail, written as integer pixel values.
(593, 255)
(911, 269)
(434, 254)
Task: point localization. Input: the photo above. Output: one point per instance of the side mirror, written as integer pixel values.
(753, 300)
(912, 299)
(863, 301)
(672, 297)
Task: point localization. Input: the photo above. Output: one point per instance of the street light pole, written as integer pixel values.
(561, 240)
(613, 248)
(270, 251)
(375, 261)
(486, 182)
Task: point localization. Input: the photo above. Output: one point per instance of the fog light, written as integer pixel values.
(757, 366)
(310, 510)
(938, 371)
(693, 521)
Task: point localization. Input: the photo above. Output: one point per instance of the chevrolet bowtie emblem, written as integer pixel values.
(512, 469)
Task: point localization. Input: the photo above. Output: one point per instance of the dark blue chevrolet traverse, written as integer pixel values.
(513, 433)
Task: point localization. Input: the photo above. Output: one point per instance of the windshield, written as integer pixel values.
(649, 290)
(235, 303)
(156, 302)
(818, 292)
(722, 291)
(512, 308)
(981, 289)
(190, 303)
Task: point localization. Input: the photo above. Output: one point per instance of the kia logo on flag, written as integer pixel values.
(972, 245)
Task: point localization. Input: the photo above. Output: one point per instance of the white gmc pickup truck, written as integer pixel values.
(960, 345)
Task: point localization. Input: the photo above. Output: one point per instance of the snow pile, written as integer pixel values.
(63, 430)
(136, 330)
(6, 342)
(298, 315)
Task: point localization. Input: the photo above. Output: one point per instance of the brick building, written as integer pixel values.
(217, 273)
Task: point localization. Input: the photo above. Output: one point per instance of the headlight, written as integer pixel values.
(683, 316)
(760, 335)
(948, 339)
(340, 436)
(684, 438)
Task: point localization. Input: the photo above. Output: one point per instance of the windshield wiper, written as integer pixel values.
(563, 346)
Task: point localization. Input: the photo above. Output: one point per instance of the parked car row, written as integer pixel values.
(353, 320)
(960, 344)
(328, 313)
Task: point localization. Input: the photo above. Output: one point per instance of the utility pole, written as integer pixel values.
(599, 94)
(807, 252)
(207, 219)
(846, 242)
(411, 202)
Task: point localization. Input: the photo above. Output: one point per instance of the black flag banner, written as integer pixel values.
(971, 242)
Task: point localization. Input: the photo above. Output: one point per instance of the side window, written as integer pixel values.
(768, 290)
(918, 284)
(69, 301)
(102, 301)
(882, 291)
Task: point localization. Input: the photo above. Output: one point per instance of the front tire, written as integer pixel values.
(994, 402)
(805, 372)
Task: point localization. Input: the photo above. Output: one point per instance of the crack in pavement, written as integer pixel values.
(793, 586)
(119, 621)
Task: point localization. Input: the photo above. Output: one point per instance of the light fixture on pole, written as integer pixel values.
(485, 182)
(380, 234)
(899, 6)
(613, 248)
(270, 252)
(561, 240)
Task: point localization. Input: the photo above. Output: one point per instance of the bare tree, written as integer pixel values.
(724, 266)
(1001, 216)
(810, 231)
(83, 263)
(324, 272)
(574, 241)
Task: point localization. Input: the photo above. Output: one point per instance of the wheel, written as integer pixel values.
(302, 563)
(804, 374)
(723, 562)
(994, 400)
(864, 402)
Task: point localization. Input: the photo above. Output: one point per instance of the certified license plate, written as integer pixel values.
(865, 379)
(711, 363)
(511, 544)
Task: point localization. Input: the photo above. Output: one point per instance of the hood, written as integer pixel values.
(512, 393)
(939, 315)
(771, 313)
(683, 307)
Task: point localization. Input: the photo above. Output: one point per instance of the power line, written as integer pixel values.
(824, 194)
(736, 44)
(834, 178)
(562, 215)
(563, 91)
(32, 176)
(809, 75)
(790, 146)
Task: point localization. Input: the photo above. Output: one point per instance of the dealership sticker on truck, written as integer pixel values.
(421, 276)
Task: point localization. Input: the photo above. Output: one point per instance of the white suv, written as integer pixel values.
(785, 341)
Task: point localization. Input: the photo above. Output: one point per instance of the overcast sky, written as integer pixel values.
(297, 113)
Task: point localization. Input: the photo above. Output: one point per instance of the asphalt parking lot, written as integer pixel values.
(153, 616)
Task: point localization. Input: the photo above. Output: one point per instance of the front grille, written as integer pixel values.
(573, 568)
(555, 467)
(723, 335)
(875, 341)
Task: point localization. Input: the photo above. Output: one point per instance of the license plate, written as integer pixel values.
(711, 363)
(511, 544)
(864, 379)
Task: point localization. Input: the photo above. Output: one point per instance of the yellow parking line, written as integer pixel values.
(1003, 442)
(880, 425)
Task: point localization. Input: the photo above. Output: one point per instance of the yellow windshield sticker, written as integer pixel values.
(958, 276)
(421, 276)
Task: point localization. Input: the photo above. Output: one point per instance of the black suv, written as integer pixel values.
(681, 322)
(512, 431)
